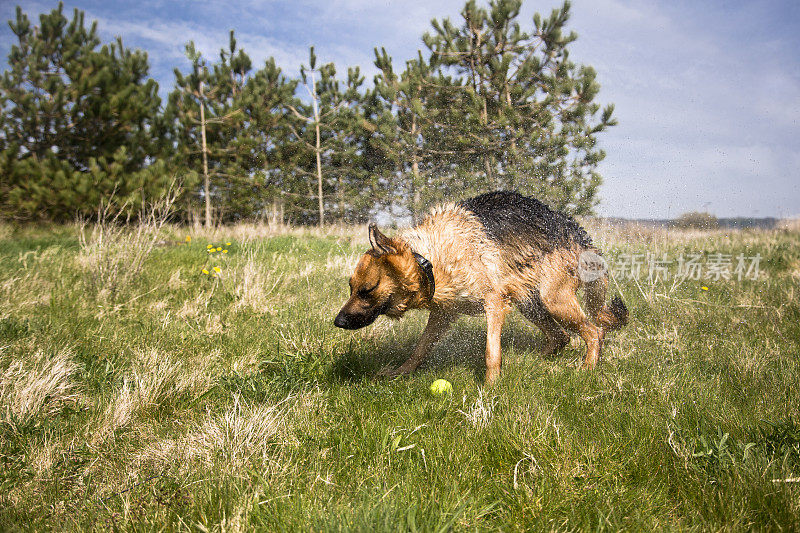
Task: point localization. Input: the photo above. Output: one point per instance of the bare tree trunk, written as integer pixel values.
(206, 181)
(489, 173)
(318, 150)
(414, 173)
(193, 215)
(273, 214)
(488, 160)
(319, 182)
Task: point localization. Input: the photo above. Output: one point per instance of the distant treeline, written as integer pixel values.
(732, 223)
(490, 102)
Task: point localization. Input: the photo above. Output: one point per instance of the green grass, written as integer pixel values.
(183, 401)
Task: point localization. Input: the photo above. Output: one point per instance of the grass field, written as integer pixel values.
(139, 393)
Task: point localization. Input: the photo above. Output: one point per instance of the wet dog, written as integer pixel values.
(488, 255)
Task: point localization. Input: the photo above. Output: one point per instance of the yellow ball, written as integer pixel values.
(441, 386)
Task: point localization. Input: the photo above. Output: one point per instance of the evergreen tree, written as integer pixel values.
(238, 190)
(76, 121)
(205, 110)
(408, 136)
(328, 142)
(356, 192)
(263, 102)
(518, 114)
(489, 106)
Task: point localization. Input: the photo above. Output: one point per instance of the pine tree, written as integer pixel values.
(266, 135)
(407, 135)
(356, 192)
(76, 121)
(519, 114)
(205, 111)
(238, 189)
(327, 140)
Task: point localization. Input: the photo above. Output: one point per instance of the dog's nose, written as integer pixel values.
(340, 321)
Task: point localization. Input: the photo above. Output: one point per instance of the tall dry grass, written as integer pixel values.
(34, 388)
(245, 434)
(789, 224)
(113, 252)
(254, 284)
(154, 380)
(245, 232)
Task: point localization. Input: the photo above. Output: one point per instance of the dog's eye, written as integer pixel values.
(364, 291)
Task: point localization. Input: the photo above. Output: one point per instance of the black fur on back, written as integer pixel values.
(509, 217)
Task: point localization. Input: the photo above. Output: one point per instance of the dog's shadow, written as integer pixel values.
(464, 345)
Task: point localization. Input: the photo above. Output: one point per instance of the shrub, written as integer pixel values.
(696, 220)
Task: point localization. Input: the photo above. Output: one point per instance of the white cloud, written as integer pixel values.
(699, 122)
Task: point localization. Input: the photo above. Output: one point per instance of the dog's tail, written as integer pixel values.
(609, 317)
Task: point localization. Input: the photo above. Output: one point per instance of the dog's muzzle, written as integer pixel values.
(345, 321)
(341, 321)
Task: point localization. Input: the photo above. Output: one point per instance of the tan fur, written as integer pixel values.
(475, 274)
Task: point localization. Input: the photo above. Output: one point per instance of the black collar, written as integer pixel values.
(427, 269)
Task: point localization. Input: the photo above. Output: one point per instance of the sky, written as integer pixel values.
(707, 94)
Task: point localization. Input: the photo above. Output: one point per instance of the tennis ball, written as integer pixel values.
(441, 386)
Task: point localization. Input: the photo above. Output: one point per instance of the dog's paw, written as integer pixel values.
(389, 372)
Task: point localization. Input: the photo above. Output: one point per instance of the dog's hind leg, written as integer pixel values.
(559, 297)
(438, 324)
(534, 310)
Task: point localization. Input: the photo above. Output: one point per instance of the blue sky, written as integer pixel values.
(707, 93)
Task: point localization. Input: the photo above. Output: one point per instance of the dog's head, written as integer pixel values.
(386, 281)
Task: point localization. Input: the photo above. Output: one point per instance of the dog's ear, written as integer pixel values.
(380, 242)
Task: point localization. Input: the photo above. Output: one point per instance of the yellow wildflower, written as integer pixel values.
(224, 251)
(188, 238)
(704, 288)
(217, 269)
(209, 246)
(227, 244)
(219, 249)
(205, 271)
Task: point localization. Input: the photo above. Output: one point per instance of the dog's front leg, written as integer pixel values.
(438, 323)
(496, 311)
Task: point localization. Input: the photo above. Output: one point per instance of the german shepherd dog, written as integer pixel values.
(486, 254)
